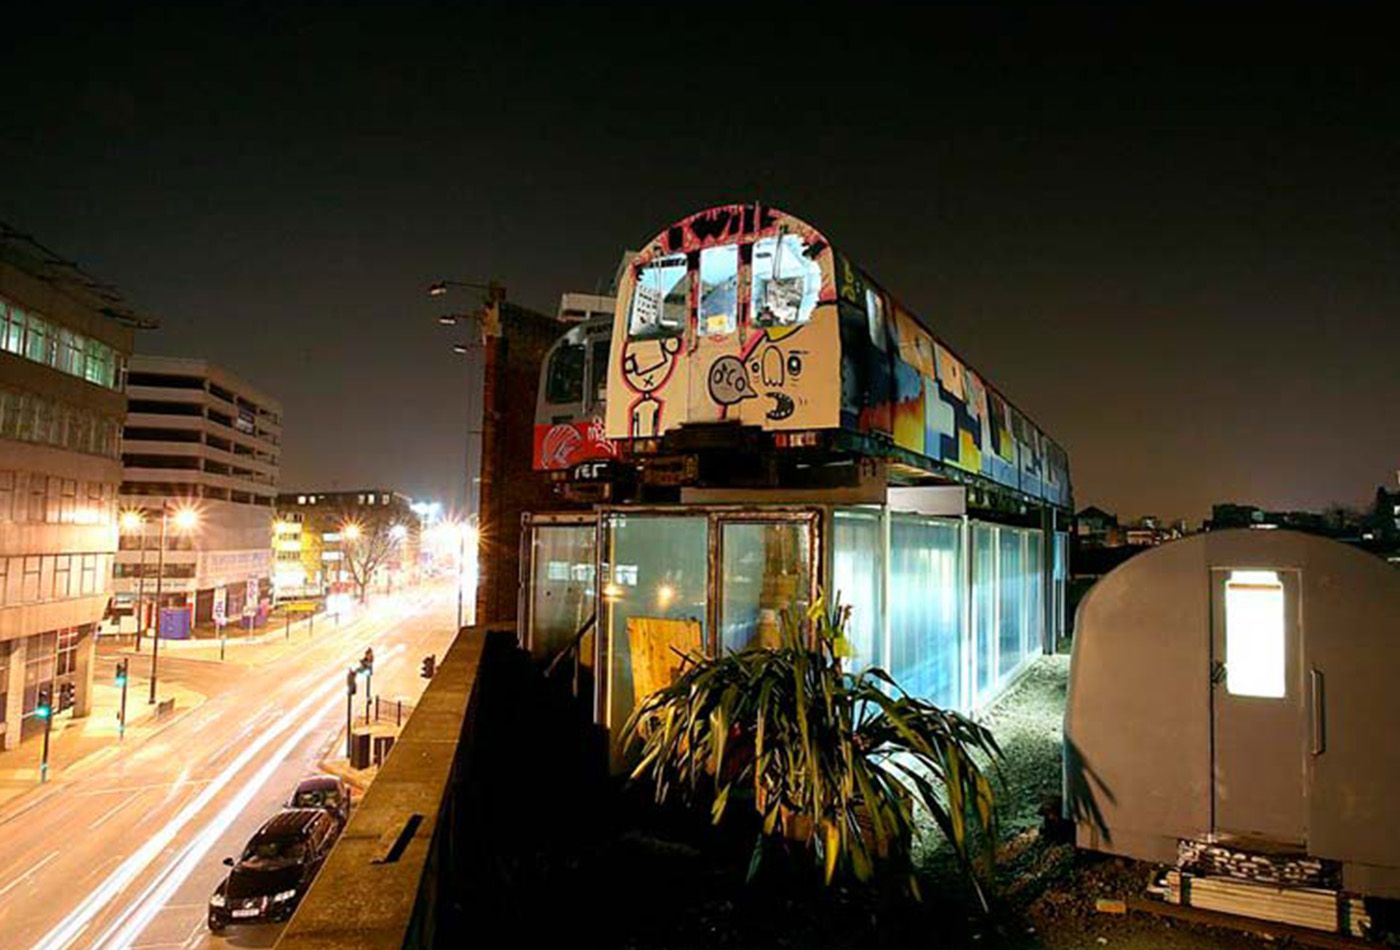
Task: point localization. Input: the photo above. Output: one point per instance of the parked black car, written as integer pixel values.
(323, 791)
(276, 868)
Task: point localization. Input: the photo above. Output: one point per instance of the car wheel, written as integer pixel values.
(216, 926)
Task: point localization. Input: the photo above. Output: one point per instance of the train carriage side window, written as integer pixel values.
(719, 289)
(565, 381)
(785, 282)
(875, 314)
(660, 299)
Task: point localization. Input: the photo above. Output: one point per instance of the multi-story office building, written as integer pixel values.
(198, 436)
(321, 520)
(64, 342)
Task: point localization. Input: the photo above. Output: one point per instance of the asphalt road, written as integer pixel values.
(126, 852)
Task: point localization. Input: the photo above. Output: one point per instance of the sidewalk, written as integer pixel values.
(268, 644)
(77, 745)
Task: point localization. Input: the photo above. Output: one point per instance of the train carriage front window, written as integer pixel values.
(565, 382)
(719, 289)
(660, 300)
(785, 282)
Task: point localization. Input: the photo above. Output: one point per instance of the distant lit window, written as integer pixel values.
(1254, 635)
(564, 381)
(719, 289)
(660, 299)
(785, 282)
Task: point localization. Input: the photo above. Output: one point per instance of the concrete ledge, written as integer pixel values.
(357, 902)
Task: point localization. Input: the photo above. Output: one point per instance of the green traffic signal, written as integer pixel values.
(41, 712)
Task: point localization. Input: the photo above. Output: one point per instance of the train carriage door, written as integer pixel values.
(1258, 709)
(715, 377)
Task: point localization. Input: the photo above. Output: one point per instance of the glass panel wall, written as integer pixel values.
(1011, 620)
(1034, 575)
(857, 575)
(984, 610)
(654, 597)
(926, 591)
(1059, 620)
(562, 590)
(765, 569)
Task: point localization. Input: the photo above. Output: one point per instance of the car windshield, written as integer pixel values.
(316, 798)
(275, 849)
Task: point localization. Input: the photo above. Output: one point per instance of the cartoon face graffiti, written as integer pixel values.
(647, 364)
(775, 371)
(646, 367)
(729, 381)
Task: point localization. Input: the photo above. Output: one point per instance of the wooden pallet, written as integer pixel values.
(1313, 908)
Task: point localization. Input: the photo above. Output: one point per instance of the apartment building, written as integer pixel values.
(64, 342)
(198, 437)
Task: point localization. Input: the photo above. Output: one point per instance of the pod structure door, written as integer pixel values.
(1258, 709)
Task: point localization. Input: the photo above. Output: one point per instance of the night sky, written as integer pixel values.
(1175, 245)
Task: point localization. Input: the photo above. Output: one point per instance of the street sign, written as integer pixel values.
(250, 599)
(220, 606)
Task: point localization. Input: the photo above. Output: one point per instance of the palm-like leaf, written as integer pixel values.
(837, 761)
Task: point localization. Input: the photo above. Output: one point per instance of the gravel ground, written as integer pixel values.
(664, 880)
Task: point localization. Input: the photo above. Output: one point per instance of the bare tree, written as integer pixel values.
(366, 543)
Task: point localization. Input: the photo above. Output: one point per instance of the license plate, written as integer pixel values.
(245, 912)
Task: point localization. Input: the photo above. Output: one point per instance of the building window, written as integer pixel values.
(719, 290)
(660, 299)
(61, 577)
(66, 654)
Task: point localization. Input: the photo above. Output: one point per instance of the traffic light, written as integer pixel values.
(121, 673)
(42, 709)
(350, 675)
(65, 696)
(367, 661)
(429, 666)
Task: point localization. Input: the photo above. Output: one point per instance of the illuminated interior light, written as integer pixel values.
(1255, 658)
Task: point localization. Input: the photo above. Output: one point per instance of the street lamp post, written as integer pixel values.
(185, 519)
(130, 522)
(480, 407)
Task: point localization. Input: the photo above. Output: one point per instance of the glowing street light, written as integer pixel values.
(351, 531)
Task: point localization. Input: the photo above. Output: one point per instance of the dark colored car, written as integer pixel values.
(276, 868)
(323, 791)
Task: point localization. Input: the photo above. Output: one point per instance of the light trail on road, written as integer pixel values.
(124, 931)
(78, 920)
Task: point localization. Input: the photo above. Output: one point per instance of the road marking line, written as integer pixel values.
(26, 875)
(30, 806)
(109, 813)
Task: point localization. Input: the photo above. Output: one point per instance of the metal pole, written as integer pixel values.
(289, 626)
(121, 717)
(160, 578)
(141, 587)
(349, 718)
(48, 728)
(223, 640)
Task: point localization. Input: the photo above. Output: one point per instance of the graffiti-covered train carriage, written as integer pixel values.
(743, 317)
(773, 423)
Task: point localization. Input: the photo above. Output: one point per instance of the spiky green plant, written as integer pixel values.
(838, 763)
